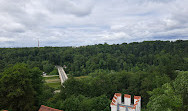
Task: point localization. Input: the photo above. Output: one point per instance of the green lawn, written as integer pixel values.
(53, 82)
(80, 77)
(55, 85)
(53, 77)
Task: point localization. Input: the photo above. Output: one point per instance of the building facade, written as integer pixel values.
(118, 105)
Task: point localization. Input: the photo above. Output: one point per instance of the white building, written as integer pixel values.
(118, 105)
(44, 74)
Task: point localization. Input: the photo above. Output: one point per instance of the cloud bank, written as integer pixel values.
(87, 22)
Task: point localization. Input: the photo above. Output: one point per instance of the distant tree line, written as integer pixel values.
(86, 59)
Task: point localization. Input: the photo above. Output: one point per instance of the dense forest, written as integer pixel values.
(155, 70)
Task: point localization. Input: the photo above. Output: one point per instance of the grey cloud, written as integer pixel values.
(157, 1)
(77, 8)
(20, 15)
(160, 0)
(14, 27)
(83, 22)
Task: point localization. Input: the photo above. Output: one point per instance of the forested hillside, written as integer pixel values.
(85, 59)
(155, 70)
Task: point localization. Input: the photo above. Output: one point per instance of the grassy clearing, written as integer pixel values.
(53, 81)
(53, 77)
(55, 85)
(80, 77)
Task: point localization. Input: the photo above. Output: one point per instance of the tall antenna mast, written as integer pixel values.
(38, 43)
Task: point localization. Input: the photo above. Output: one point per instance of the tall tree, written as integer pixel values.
(164, 99)
(17, 93)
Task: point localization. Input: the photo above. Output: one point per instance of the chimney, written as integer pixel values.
(137, 102)
(118, 97)
(127, 99)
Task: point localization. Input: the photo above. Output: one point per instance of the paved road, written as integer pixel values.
(62, 75)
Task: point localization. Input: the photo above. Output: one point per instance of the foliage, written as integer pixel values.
(82, 103)
(16, 89)
(54, 72)
(47, 67)
(164, 99)
(22, 89)
(170, 96)
(167, 56)
(181, 87)
(96, 72)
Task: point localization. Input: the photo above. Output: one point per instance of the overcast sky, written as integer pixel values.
(87, 22)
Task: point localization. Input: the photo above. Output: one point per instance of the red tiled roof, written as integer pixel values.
(137, 97)
(127, 96)
(45, 108)
(118, 94)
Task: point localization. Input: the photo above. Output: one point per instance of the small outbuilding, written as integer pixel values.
(45, 108)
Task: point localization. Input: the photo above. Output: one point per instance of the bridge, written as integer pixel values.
(62, 75)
